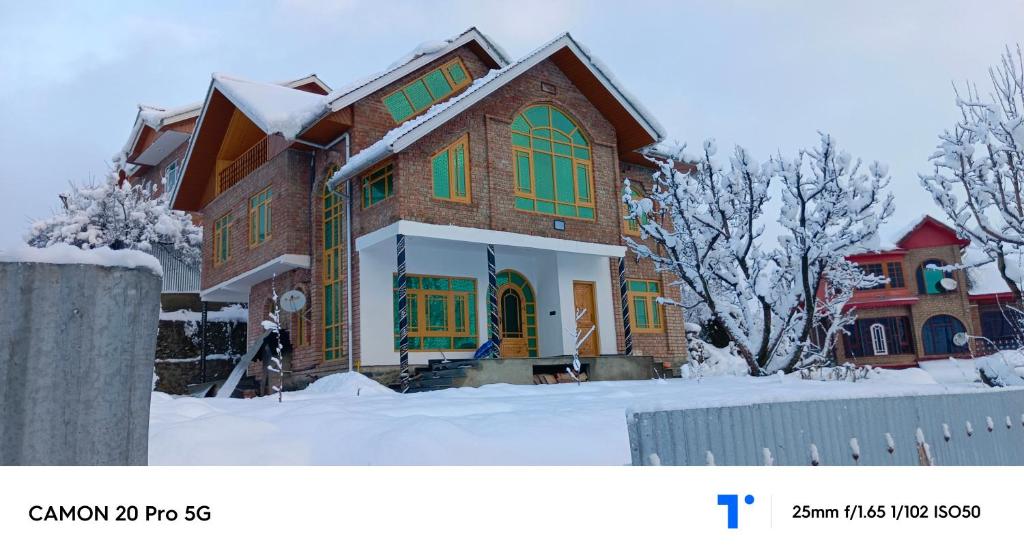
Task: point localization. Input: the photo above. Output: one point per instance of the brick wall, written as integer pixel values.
(956, 304)
(490, 153)
(288, 176)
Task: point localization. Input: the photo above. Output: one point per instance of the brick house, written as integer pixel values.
(154, 154)
(915, 316)
(489, 187)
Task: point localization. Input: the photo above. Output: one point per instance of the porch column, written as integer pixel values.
(624, 294)
(492, 295)
(403, 312)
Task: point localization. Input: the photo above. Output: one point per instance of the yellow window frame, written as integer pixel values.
(222, 240)
(332, 323)
(259, 201)
(421, 80)
(576, 163)
(652, 308)
(388, 177)
(450, 152)
(422, 315)
(631, 227)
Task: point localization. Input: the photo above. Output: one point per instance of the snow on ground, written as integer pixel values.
(349, 419)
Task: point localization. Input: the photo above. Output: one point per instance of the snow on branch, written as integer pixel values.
(779, 300)
(117, 216)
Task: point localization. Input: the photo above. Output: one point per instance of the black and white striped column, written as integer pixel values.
(627, 329)
(403, 312)
(492, 295)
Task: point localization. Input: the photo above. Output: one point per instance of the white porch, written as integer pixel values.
(550, 265)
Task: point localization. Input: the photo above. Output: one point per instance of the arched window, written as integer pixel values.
(879, 345)
(929, 277)
(937, 335)
(551, 164)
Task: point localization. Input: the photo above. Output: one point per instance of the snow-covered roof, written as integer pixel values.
(157, 117)
(419, 57)
(984, 274)
(409, 132)
(274, 108)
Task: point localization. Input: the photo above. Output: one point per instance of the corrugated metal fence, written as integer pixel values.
(985, 428)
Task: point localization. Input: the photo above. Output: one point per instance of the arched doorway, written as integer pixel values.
(517, 315)
(937, 335)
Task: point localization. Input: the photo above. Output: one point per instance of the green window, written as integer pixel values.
(648, 315)
(442, 313)
(259, 217)
(378, 185)
(332, 273)
(633, 225)
(416, 97)
(450, 171)
(552, 168)
(222, 240)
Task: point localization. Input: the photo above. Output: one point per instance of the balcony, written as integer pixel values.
(249, 161)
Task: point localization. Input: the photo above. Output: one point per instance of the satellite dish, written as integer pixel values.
(292, 301)
(948, 284)
(960, 338)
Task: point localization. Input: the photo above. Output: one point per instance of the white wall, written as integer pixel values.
(550, 273)
(587, 268)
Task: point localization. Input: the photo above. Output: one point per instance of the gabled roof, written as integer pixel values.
(152, 120)
(279, 109)
(928, 232)
(420, 57)
(636, 126)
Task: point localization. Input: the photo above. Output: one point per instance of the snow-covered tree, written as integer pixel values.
(978, 174)
(579, 336)
(119, 216)
(707, 220)
(273, 325)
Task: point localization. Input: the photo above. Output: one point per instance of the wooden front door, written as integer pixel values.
(583, 296)
(512, 313)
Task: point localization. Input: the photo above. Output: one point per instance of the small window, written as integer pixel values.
(632, 225)
(643, 302)
(450, 170)
(878, 344)
(171, 177)
(222, 240)
(259, 218)
(895, 273)
(416, 97)
(378, 185)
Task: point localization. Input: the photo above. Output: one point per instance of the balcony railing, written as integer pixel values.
(242, 166)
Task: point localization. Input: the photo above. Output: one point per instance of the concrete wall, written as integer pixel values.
(986, 428)
(76, 363)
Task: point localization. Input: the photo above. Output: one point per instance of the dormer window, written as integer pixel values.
(416, 97)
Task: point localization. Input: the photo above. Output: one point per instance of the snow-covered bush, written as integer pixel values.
(779, 301)
(978, 172)
(118, 216)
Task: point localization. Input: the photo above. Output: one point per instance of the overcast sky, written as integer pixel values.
(766, 74)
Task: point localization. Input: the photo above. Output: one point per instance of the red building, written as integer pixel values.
(925, 303)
